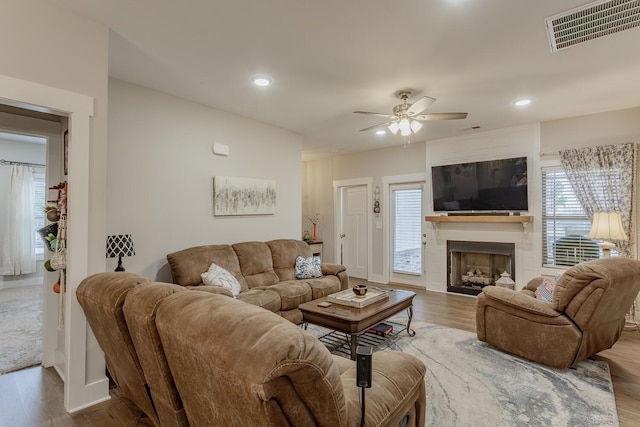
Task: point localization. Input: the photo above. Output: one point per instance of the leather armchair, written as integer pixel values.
(586, 315)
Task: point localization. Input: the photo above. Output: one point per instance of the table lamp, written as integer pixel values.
(120, 245)
(607, 226)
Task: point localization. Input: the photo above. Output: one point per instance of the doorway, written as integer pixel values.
(353, 228)
(352, 219)
(407, 236)
(22, 195)
(405, 230)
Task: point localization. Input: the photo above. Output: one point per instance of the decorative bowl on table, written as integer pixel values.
(360, 290)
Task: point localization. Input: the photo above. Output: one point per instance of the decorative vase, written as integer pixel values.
(360, 290)
(505, 281)
(314, 233)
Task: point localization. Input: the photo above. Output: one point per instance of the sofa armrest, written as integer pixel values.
(519, 301)
(332, 269)
(211, 289)
(533, 284)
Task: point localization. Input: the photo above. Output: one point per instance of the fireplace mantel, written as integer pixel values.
(496, 219)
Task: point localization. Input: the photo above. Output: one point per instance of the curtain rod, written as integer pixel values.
(9, 162)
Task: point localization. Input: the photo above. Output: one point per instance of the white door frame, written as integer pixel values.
(387, 181)
(337, 208)
(79, 109)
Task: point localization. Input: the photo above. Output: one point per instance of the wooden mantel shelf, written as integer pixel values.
(524, 220)
(479, 218)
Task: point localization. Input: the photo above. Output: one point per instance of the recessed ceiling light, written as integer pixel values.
(261, 80)
(522, 102)
(380, 132)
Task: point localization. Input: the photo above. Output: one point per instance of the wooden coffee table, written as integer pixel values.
(355, 321)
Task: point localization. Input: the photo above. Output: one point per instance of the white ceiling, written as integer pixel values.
(329, 58)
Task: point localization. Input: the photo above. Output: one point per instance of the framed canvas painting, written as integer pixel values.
(243, 196)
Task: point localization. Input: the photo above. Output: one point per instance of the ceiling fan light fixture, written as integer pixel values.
(405, 132)
(394, 128)
(404, 126)
(416, 126)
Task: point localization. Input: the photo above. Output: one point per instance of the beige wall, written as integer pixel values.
(613, 127)
(42, 44)
(319, 175)
(161, 169)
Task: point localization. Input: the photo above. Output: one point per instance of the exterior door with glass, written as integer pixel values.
(407, 235)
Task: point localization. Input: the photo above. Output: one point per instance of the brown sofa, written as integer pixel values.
(265, 270)
(586, 315)
(202, 359)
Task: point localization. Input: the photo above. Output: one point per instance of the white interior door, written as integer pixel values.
(354, 230)
(407, 234)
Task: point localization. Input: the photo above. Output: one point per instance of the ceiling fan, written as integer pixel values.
(406, 117)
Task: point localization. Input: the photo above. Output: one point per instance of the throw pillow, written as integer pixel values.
(218, 276)
(308, 268)
(545, 290)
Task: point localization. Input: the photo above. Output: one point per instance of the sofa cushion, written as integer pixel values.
(323, 286)
(218, 276)
(187, 265)
(284, 253)
(292, 293)
(308, 268)
(255, 263)
(267, 299)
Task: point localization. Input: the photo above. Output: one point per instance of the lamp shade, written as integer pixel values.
(607, 226)
(120, 245)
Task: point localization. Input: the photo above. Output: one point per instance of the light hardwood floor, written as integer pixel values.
(33, 397)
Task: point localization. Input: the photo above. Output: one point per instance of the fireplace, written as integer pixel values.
(473, 265)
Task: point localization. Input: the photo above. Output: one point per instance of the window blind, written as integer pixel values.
(565, 225)
(39, 195)
(407, 235)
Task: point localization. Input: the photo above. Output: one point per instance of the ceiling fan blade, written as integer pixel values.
(388, 116)
(420, 105)
(379, 125)
(441, 116)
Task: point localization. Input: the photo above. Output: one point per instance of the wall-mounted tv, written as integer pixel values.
(494, 185)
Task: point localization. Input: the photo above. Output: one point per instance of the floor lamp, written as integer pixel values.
(608, 226)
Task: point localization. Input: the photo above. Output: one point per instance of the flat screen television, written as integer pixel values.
(494, 185)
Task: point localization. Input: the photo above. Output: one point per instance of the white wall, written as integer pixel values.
(161, 169)
(499, 144)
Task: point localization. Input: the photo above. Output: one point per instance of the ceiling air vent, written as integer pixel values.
(591, 21)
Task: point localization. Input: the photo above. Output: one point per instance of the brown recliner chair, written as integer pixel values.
(101, 297)
(139, 309)
(237, 364)
(586, 315)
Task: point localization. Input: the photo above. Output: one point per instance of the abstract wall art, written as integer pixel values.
(243, 196)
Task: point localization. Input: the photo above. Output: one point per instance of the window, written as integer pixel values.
(565, 225)
(407, 229)
(39, 216)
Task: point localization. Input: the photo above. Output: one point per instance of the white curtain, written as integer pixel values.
(18, 254)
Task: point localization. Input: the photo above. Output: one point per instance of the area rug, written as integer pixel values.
(20, 328)
(470, 383)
